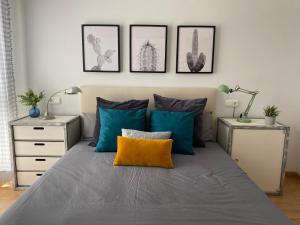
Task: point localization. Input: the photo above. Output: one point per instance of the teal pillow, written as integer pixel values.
(112, 121)
(181, 124)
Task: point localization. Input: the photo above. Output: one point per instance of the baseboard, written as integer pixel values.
(292, 174)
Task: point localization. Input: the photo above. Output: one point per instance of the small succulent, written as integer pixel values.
(271, 111)
(195, 62)
(30, 98)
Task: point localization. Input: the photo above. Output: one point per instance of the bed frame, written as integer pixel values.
(123, 93)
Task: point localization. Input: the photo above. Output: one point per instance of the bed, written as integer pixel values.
(84, 188)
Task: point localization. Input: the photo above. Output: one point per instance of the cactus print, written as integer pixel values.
(195, 62)
(148, 57)
(101, 58)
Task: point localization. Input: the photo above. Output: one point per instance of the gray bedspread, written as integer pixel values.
(83, 188)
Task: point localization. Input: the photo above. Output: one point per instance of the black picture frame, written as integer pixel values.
(131, 52)
(107, 53)
(193, 69)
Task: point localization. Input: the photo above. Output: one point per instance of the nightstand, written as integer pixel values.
(259, 150)
(38, 144)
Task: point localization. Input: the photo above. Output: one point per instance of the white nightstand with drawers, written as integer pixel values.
(38, 144)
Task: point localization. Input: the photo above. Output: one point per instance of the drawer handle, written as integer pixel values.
(40, 159)
(39, 174)
(38, 128)
(39, 144)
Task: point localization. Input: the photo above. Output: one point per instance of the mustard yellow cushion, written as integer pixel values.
(144, 152)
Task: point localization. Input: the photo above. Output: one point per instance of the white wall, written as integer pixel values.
(257, 46)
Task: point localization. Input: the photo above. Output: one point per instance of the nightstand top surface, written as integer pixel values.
(58, 121)
(254, 123)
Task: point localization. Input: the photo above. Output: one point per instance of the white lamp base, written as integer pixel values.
(48, 117)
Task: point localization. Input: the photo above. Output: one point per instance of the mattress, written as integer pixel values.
(83, 188)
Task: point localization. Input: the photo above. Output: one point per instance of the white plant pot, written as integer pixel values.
(270, 121)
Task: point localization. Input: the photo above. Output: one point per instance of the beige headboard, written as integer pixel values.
(122, 93)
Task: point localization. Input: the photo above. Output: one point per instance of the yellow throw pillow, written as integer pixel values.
(144, 152)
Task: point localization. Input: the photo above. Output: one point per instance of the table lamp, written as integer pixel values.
(244, 116)
(69, 91)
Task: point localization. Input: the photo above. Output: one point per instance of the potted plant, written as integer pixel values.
(271, 112)
(32, 99)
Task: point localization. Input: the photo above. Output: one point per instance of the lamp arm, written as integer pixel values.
(249, 105)
(246, 91)
(55, 93)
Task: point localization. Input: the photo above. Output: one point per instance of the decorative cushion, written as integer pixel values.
(88, 121)
(207, 133)
(112, 121)
(190, 105)
(181, 125)
(106, 104)
(144, 152)
(145, 135)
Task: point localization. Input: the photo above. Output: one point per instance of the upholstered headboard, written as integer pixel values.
(122, 93)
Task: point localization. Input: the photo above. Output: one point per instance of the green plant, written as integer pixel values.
(30, 98)
(271, 111)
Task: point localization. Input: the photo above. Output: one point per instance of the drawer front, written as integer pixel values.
(28, 148)
(28, 178)
(39, 133)
(35, 163)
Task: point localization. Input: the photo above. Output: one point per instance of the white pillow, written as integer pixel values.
(146, 135)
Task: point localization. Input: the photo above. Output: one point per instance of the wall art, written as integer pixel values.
(100, 48)
(148, 48)
(195, 49)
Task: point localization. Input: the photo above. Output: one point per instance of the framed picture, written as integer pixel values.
(148, 48)
(195, 49)
(100, 48)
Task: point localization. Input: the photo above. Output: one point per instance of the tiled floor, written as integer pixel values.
(289, 202)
